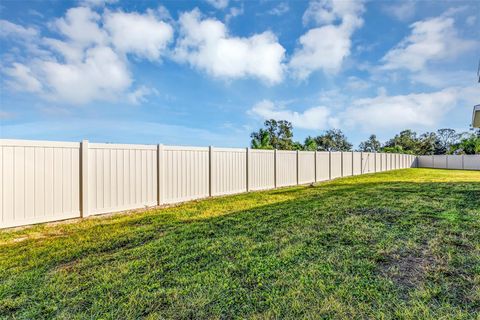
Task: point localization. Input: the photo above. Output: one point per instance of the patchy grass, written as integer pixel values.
(403, 244)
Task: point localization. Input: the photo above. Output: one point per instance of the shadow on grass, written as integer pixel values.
(336, 249)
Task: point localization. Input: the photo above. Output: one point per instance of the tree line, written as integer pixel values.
(279, 135)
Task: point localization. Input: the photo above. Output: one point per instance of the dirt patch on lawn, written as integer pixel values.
(408, 269)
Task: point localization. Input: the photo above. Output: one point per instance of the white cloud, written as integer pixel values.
(80, 25)
(23, 78)
(234, 12)
(140, 95)
(356, 83)
(280, 9)
(430, 40)
(141, 34)
(206, 44)
(471, 20)
(382, 113)
(323, 12)
(96, 3)
(416, 110)
(218, 4)
(402, 11)
(312, 118)
(6, 115)
(14, 30)
(70, 51)
(326, 47)
(87, 60)
(100, 76)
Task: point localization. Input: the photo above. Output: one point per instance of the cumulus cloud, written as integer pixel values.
(102, 75)
(88, 59)
(311, 118)
(380, 113)
(140, 95)
(326, 47)
(280, 9)
(356, 83)
(401, 111)
(141, 34)
(22, 78)
(218, 4)
(96, 3)
(14, 30)
(430, 40)
(80, 25)
(206, 45)
(402, 11)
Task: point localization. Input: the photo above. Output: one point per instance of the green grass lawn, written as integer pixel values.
(402, 244)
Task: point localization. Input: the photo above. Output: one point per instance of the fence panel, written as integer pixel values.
(121, 177)
(425, 161)
(347, 167)
(39, 181)
(286, 168)
(378, 162)
(383, 161)
(323, 166)
(357, 163)
(261, 169)
(185, 174)
(229, 166)
(336, 165)
(471, 162)
(455, 162)
(370, 162)
(467, 162)
(440, 162)
(306, 167)
(44, 181)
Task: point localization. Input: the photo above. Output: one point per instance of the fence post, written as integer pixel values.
(210, 180)
(329, 165)
(315, 165)
(160, 176)
(298, 165)
(361, 162)
(247, 160)
(463, 162)
(275, 168)
(341, 163)
(84, 179)
(375, 162)
(353, 167)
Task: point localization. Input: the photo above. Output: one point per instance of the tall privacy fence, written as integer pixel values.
(459, 162)
(48, 181)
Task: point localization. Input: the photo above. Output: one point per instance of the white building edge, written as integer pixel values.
(476, 116)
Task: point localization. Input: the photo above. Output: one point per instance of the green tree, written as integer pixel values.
(261, 140)
(310, 144)
(275, 135)
(467, 145)
(370, 145)
(446, 138)
(395, 149)
(407, 139)
(333, 140)
(428, 144)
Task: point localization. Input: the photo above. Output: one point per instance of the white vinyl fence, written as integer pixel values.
(459, 162)
(49, 181)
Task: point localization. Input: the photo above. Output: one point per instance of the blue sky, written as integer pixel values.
(210, 72)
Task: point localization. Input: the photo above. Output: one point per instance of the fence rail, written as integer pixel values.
(42, 181)
(457, 162)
